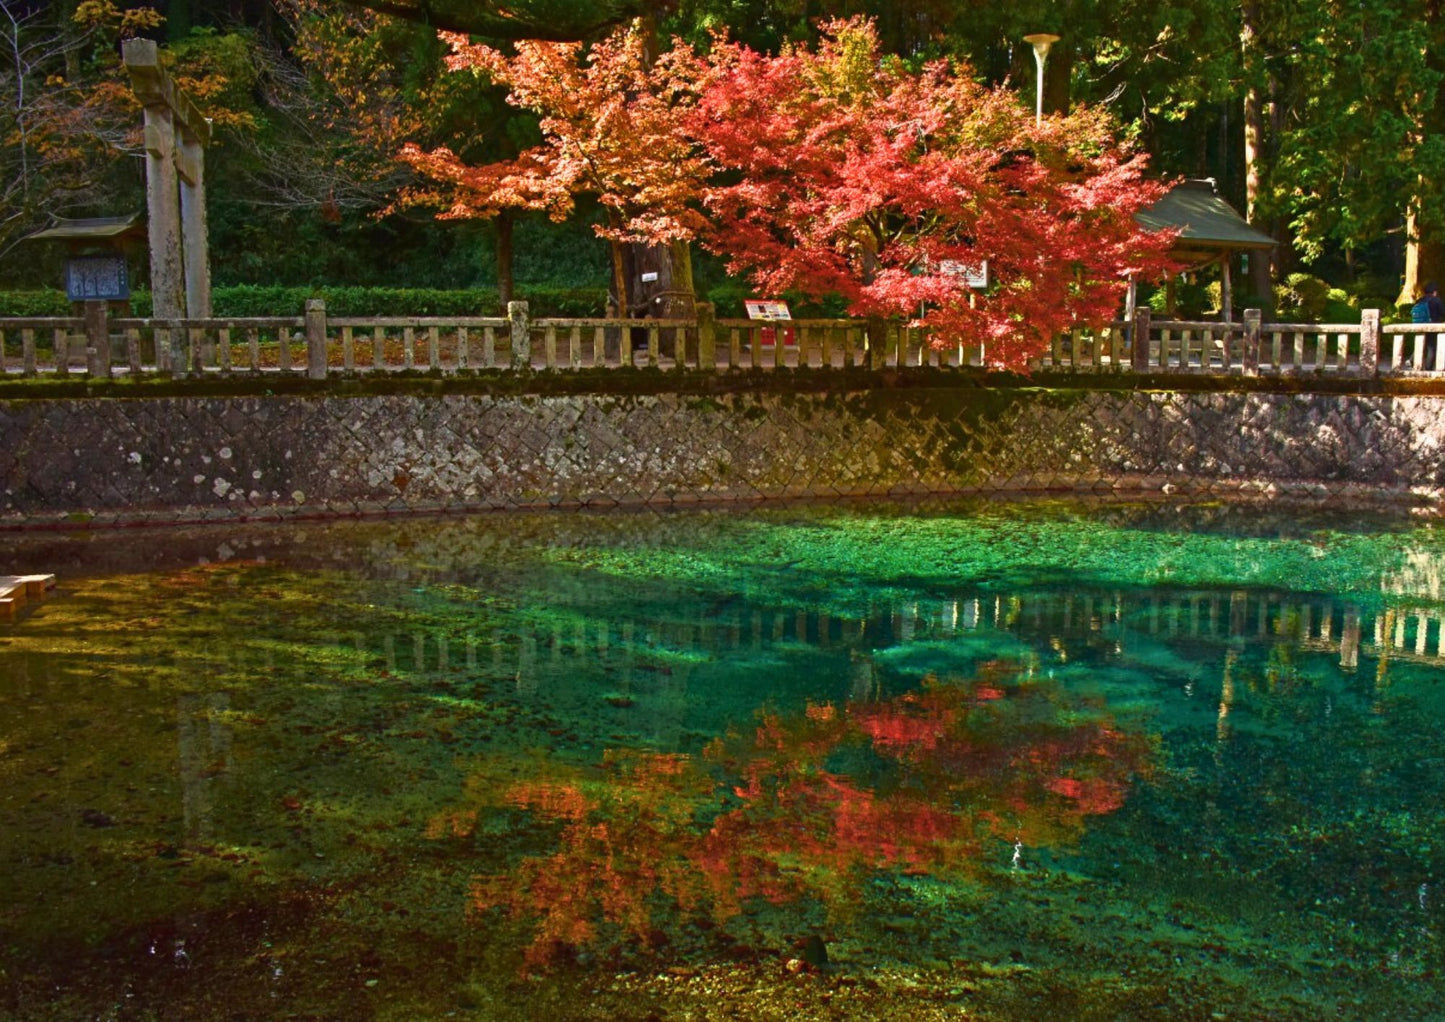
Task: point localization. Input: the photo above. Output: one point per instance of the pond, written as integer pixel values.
(870, 761)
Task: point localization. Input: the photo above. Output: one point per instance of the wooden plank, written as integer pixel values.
(755, 340)
(35, 585)
(735, 348)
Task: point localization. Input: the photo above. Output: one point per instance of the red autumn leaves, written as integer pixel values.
(834, 170)
(805, 807)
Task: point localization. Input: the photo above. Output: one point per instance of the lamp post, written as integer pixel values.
(1041, 42)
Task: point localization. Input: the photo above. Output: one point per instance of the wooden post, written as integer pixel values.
(1370, 342)
(706, 337)
(1226, 290)
(1140, 341)
(97, 339)
(1253, 330)
(315, 338)
(521, 335)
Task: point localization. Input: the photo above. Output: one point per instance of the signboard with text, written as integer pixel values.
(971, 274)
(99, 278)
(767, 309)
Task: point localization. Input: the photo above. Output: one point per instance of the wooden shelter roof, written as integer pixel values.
(98, 228)
(1207, 224)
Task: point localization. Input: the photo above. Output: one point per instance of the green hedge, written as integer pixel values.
(267, 300)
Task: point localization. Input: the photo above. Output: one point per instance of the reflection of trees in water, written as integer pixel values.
(804, 806)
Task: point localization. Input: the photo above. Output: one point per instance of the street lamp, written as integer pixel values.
(1041, 42)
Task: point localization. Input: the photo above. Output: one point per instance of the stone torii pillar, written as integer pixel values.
(175, 139)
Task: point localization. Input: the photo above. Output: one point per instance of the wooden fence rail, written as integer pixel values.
(317, 346)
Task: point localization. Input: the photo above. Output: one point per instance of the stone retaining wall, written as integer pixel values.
(116, 460)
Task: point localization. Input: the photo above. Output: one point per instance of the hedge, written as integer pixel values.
(268, 300)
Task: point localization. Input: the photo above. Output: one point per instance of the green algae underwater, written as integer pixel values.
(984, 760)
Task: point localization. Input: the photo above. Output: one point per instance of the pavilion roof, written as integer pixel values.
(93, 229)
(1207, 224)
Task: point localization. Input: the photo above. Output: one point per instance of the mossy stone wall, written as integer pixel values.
(112, 460)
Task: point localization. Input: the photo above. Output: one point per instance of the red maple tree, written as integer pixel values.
(845, 172)
(612, 127)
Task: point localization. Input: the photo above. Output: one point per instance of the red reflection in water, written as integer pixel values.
(809, 804)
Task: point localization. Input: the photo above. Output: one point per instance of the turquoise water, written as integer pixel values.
(1000, 760)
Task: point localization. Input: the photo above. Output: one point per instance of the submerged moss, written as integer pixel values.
(1171, 760)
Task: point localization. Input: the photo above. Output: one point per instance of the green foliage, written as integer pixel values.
(278, 300)
(49, 302)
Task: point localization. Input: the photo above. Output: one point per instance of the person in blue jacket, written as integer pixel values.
(1429, 309)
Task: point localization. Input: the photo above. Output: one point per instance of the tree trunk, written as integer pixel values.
(1059, 77)
(504, 257)
(1424, 259)
(669, 292)
(619, 296)
(1424, 222)
(1259, 282)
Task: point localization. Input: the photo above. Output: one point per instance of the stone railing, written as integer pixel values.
(317, 346)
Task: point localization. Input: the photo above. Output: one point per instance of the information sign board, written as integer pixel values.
(767, 309)
(972, 275)
(96, 278)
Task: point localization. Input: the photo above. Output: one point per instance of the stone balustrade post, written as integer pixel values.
(706, 337)
(521, 335)
(97, 338)
(176, 335)
(316, 338)
(1139, 341)
(1370, 342)
(1253, 330)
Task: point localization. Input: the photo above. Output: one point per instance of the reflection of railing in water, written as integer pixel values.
(1405, 632)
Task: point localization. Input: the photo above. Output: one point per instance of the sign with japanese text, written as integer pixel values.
(767, 309)
(96, 278)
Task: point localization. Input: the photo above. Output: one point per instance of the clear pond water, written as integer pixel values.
(986, 760)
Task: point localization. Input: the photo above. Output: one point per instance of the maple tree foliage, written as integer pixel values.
(613, 127)
(848, 173)
(69, 112)
(939, 775)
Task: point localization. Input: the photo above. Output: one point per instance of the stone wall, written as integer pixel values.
(111, 460)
